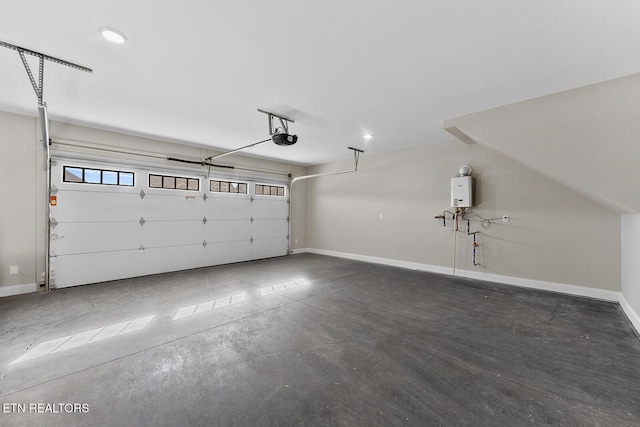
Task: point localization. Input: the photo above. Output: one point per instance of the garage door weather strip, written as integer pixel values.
(38, 88)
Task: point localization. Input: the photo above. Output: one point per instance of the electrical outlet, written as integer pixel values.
(13, 269)
(505, 218)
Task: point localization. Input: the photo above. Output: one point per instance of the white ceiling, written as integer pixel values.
(196, 71)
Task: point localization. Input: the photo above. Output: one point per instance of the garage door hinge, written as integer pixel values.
(54, 190)
(204, 197)
(251, 199)
(204, 243)
(142, 221)
(251, 240)
(251, 220)
(204, 220)
(53, 223)
(142, 194)
(288, 219)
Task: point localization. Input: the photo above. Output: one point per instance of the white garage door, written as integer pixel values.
(114, 221)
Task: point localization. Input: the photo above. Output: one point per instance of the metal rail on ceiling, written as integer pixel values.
(45, 56)
(38, 86)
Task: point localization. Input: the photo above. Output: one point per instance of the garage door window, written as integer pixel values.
(269, 190)
(217, 186)
(80, 175)
(174, 182)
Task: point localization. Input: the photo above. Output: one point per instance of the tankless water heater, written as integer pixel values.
(462, 192)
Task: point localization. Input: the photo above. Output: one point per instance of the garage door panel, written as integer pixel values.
(229, 216)
(80, 269)
(228, 202)
(275, 205)
(269, 229)
(270, 215)
(228, 231)
(218, 211)
(165, 233)
(267, 248)
(75, 238)
(76, 206)
(173, 207)
(174, 258)
(228, 252)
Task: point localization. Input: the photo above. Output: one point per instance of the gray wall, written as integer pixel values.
(19, 230)
(554, 234)
(22, 225)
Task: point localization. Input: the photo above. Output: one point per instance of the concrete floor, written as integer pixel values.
(315, 340)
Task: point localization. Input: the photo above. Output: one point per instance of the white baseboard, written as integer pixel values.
(7, 291)
(634, 318)
(508, 280)
(300, 251)
(385, 261)
(562, 288)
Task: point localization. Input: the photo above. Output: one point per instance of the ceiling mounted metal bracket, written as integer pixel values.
(38, 89)
(356, 156)
(38, 86)
(47, 57)
(284, 122)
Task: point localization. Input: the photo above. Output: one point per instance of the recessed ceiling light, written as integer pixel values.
(368, 136)
(114, 36)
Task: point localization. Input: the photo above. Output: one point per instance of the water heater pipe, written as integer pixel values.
(454, 251)
(455, 237)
